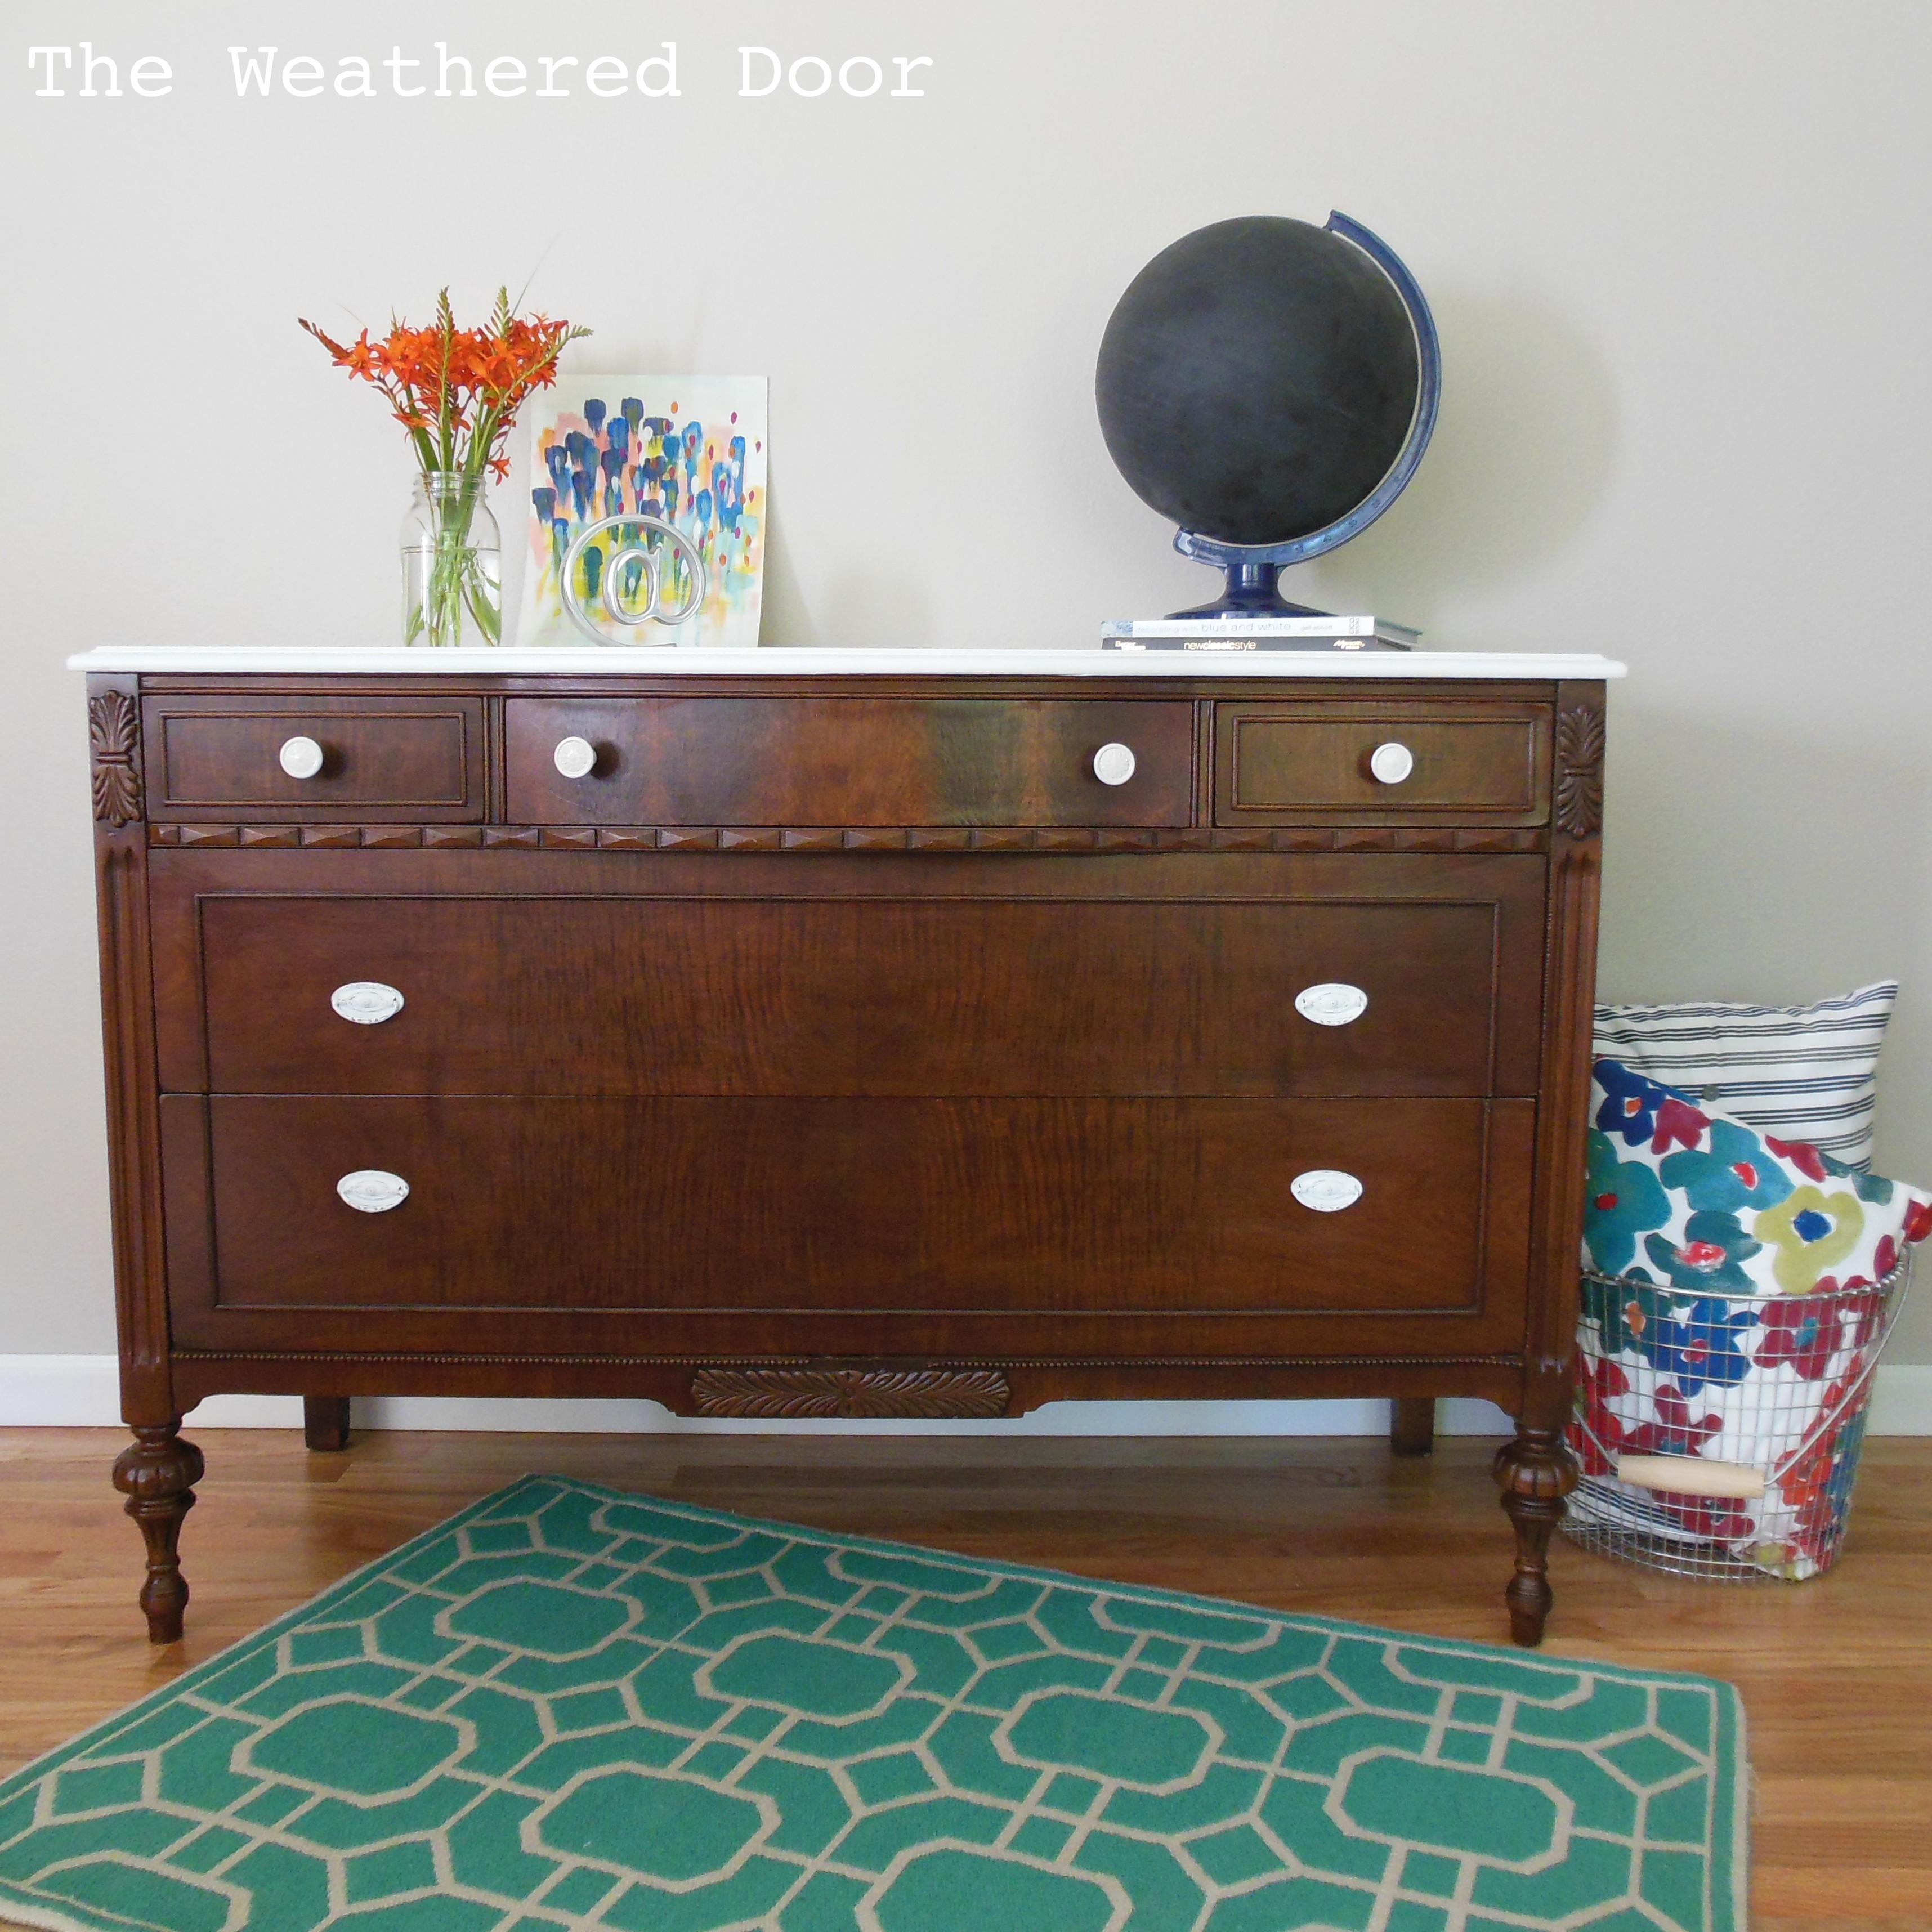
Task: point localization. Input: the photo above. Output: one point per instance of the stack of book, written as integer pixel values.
(1235, 633)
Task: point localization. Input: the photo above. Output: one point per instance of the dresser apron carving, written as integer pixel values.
(853, 1044)
(849, 1392)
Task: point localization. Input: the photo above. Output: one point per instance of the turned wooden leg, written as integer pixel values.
(325, 1421)
(1535, 1472)
(157, 1474)
(1412, 1425)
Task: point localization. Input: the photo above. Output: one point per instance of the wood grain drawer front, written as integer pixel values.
(849, 761)
(1286, 763)
(381, 758)
(875, 996)
(1182, 1208)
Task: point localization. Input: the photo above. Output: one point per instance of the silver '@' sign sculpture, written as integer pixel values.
(632, 612)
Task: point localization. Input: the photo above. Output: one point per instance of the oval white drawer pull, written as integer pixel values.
(367, 1002)
(576, 757)
(1391, 763)
(371, 1190)
(1326, 1189)
(1333, 1002)
(300, 757)
(1114, 764)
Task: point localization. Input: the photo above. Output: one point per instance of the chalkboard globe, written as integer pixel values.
(1261, 378)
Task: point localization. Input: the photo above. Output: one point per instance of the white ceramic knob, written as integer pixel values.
(367, 1002)
(1114, 764)
(1391, 763)
(300, 757)
(1333, 1002)
(576, 757)
(372, 1190)
(1326, 1189)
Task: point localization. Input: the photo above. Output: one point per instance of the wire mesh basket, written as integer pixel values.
(1719, 1435)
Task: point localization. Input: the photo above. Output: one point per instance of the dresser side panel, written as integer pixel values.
(121, 795)
(1569, 976)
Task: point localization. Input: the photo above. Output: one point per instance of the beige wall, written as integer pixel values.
(1677, 252)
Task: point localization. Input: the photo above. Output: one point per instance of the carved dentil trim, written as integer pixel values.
(318, 1356)
(1579, 771)
(113, 728)
(863, 838)
(831, 1391)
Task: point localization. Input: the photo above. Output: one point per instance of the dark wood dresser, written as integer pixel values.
(792, 1034)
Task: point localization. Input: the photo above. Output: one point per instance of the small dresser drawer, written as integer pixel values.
(848, 761)
(298, 757)
(1325, 763)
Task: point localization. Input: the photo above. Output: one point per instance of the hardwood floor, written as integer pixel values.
(1836, 1675)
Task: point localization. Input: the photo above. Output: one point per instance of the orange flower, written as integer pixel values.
(457, 391)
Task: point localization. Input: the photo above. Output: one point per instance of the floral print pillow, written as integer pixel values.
(1681, 1196)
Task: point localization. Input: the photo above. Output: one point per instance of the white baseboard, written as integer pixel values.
(83, 1392)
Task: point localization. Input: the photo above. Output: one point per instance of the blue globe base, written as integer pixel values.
(1254, 590)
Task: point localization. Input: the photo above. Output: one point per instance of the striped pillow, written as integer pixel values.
(1803, 1073)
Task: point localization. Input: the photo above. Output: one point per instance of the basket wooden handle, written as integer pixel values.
(1691, 1476)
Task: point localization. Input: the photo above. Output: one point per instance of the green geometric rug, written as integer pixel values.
(571, 1707)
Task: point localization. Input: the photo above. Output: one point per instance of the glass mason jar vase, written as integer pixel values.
(452, 561)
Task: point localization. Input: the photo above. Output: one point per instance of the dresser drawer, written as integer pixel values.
(848, 761)
(379, 758)
(1188, 1210)
(1318, 762)
(872, 995)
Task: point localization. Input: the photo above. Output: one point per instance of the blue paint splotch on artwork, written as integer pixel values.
(691, 450)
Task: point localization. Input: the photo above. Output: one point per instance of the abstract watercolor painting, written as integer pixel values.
(689, 449)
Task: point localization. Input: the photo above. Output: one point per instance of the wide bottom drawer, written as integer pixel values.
(879, 1214)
